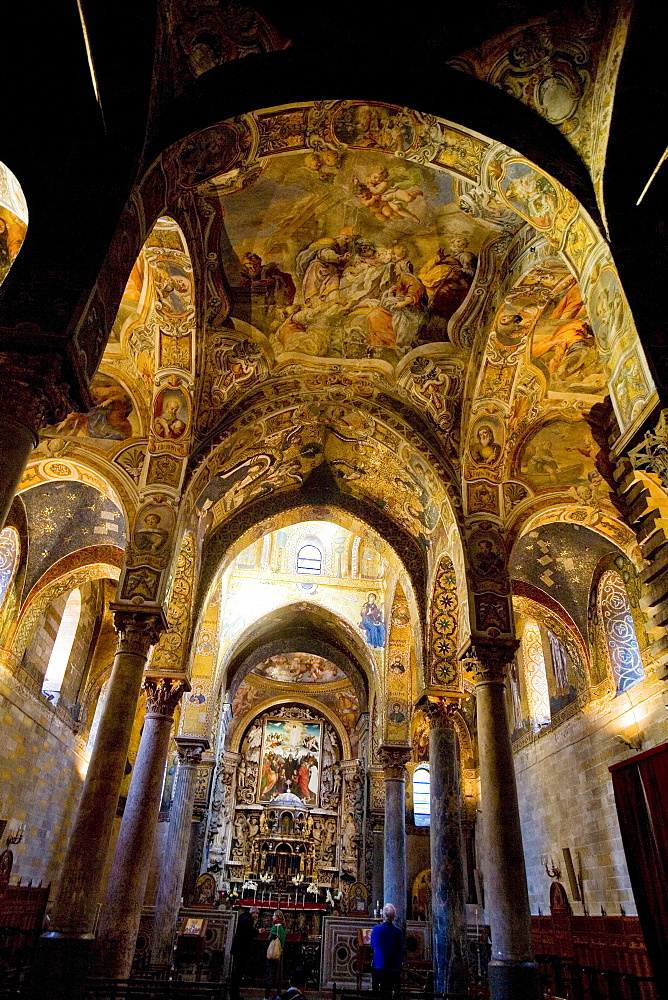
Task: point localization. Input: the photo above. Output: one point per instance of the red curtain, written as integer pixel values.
(641, 795)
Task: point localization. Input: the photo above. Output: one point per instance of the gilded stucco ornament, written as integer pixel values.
(651, 455)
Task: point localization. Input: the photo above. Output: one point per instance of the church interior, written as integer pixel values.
(333, 497)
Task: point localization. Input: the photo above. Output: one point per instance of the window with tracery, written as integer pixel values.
(9, 558)
(421, 810)
(309, 560)
(62, 647)
(538, 694)
(619, 631)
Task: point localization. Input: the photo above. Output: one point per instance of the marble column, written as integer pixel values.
(170, 887)
(64, 948)
(121, 913)
(394, 760)
(513, 974)
(33, 395)
(447, 869)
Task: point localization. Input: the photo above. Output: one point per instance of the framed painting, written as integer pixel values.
(290, 762)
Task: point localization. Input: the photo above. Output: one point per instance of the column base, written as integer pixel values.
(514, 981)
(60, 968)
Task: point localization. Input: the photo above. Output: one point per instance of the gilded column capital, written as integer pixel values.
(34, 392)
(137, 630)
(441, 712)
(394, 759)
(163, 695)
(189, 750)
(490, 660)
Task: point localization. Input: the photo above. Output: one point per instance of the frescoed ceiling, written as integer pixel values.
(377, 299)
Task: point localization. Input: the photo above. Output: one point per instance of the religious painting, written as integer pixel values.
(12, 234)
(486, 554)
(155, 523)
(562, 454)
(367, 258)
(608, 313)
(112, 418)
(171, 411)
(530, 193)
(373, 126)
(128, 310)
(173, 288)
(301, 668)
(290, 762)
(486, 441)
(372, 622)
(563, 345)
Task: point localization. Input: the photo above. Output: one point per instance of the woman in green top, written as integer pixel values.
(274, 965)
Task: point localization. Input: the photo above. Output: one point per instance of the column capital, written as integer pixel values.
(490, 659)
(189, 750)
(441, 712)
(163, 695)
(394, 759)
(34, 392)
(137, 630)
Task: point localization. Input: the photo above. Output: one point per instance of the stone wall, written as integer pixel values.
(566, 798)
(41, 777)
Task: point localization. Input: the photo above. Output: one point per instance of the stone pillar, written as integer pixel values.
(377, 889)
(394, 759)
(64, 951)
(513, 974)
(447, 870)
(33, 395)
(190, 750)
(119, 923)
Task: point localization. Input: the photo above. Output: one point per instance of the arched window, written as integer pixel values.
(538, 694)
(62, 647)
(421, 795)
(101, 698)
(9, 558)
(309, 560)
(620, 634)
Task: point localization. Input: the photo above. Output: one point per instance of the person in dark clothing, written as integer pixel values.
(387, 943)
(297, 983)
(242, 942)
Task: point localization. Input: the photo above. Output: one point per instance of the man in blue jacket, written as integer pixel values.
(387, 943)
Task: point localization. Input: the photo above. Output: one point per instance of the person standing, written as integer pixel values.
(387, 943)
(242, 943)
(277, 936)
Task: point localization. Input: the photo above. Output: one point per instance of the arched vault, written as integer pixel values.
(304, 628)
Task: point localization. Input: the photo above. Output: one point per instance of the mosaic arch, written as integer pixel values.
(317, 629)
(324, 202)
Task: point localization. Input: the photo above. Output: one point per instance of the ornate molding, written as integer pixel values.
(163, 695)
(137, 630)
(189, 750)
(651, 455)
(394, 759)
(490, 660)
(33, 390)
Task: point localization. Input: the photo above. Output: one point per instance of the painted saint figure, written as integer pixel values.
(372, 623)
(485, 451)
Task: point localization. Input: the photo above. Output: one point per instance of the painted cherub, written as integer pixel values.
(387, 201)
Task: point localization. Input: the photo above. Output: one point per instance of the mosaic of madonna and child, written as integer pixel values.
(368, 259)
